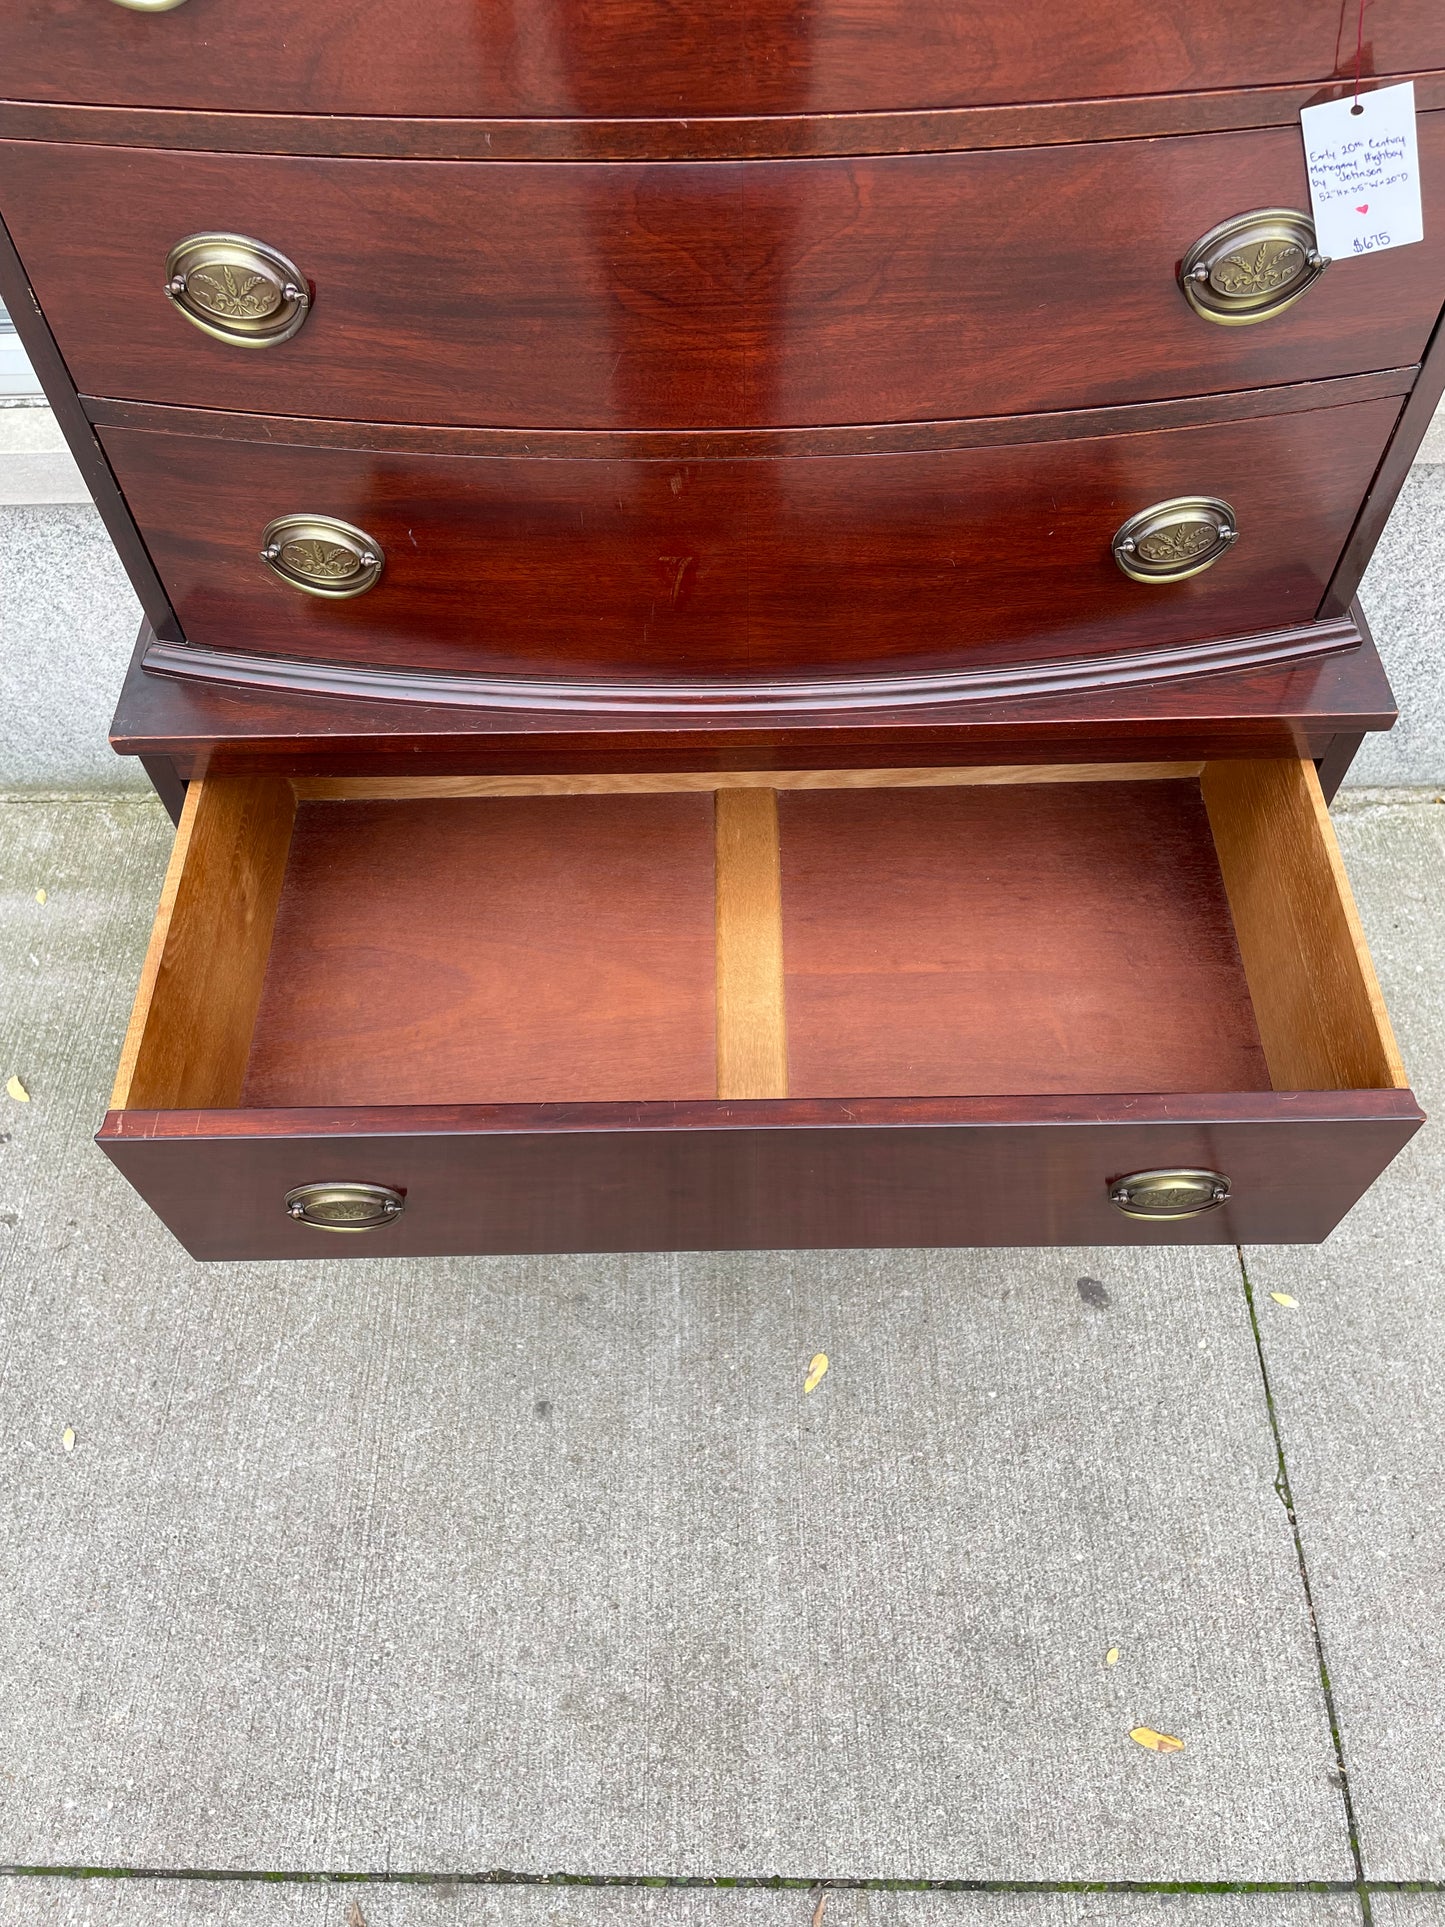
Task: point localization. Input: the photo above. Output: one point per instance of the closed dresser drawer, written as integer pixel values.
(718, 294)
(629, 576)
(566, 57)
(891, 1008)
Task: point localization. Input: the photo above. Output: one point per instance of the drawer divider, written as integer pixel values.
(752, 1044)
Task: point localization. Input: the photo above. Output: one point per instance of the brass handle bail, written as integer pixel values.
(345, 1206)
(322, 556)
(1252, 267)
(1175, 539)
(1169, 1194)
(237, 290)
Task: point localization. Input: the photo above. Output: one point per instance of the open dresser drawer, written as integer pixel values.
(1103, 1004)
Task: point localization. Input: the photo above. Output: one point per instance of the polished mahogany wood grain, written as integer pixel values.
(513, 950)
(1310, 707)
(723, 294)
(727, 137)
(1062, 937)
(583, 57)
(789, 1174)
(655, 577)
(704, 445)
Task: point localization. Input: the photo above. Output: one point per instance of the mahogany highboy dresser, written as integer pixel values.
(752, 606)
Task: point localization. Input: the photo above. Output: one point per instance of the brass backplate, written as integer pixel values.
(1252, 267)
(1175, 539)
(345, 1206)
(1169, 1194)
(237, 290)
(322, 556)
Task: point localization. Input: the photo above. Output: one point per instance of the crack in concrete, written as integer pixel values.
(1282, 1488)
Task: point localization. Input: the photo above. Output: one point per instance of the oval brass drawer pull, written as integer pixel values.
(1175, 539)
(1168, 1194)
(237, 289)
(1252, 267)
(151, 6)
(322, 556)
(345, 1207)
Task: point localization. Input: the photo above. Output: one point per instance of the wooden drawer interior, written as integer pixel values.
(1105, 929)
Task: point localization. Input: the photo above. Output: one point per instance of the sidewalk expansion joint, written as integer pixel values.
(768, 1883)
(1282, 1487)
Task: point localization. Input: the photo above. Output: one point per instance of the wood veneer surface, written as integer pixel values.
(510, 951)
(724, 294)
(584, 57)
(986, 941)
(643, 573)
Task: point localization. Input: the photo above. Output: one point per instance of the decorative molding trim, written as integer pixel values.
(748, 444)
(702, 700)
(759, 137)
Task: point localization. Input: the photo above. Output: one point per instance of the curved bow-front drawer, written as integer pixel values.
(628, 576)
(634, 1015)
(565, 57)
(680, 295)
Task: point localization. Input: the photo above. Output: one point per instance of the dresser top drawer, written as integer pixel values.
(707, 295)
(651, 1012)
(650, 57)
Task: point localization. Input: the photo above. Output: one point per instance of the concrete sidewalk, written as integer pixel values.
(549, 1566)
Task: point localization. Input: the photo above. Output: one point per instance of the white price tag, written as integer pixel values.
(1364, 172)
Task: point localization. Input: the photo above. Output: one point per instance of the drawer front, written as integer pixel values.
(564, 57)
(656, 575)
(842, 1176)
(577, 294)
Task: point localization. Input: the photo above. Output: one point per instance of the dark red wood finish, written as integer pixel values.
(582, 57)
(194, 727)
(720, 294)
(800, 1173)
(712, 444)
(518, 949)
(537, 949)
(729, 137)
(1075, 936)
(667, 579)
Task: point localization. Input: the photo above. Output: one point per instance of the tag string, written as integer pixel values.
(1359, 59)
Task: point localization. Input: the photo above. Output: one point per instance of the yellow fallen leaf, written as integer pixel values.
(67, 1439)
(815, 1372)
(1283, 1298)
(1111, 1658)
(41, 896)
(18, 1091)
(1156, 1742)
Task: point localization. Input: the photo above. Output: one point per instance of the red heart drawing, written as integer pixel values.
(1363, 210)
